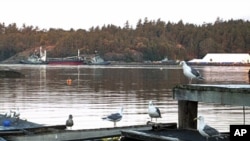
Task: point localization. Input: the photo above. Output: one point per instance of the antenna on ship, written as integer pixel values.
(41, 54)
(45, 55)
(78, 55)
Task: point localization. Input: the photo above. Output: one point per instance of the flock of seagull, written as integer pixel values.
(13, 113)
(203, 128)
(153, 112)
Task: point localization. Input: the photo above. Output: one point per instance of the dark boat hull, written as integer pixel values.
(33, 63)
(65, 62)
(100, 63)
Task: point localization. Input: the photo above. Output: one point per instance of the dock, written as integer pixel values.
(188, 97)
(68, 135)
(168, 135)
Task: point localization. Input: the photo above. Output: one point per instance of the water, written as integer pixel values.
(43, 96)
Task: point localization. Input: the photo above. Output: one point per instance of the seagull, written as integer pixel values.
(8, 114)
(206, 130)
(70, 122)
(114, 117)
(190, 72)
(153, 111)
(16, 113)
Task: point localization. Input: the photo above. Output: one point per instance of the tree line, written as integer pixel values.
(150, 40)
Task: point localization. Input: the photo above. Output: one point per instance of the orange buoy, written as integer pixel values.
(69, 81)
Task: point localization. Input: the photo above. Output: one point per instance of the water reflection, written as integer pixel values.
(43, 96)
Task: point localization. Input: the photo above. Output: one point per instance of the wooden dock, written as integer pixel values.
(68, 135)
(220, 94)
(188, 97)
(168, 135)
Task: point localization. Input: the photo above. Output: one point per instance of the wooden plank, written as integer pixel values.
(162, 126)
(145, 136)
(169, 135)
(79, 134)
(220, 94)
(31, 130)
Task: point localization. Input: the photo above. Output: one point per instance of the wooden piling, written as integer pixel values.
(188, 97)
(187, 111)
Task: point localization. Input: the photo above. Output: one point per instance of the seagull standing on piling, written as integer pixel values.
(153, 111)
(190, 72)
(206, 130)
(70, 122)
(114, 117)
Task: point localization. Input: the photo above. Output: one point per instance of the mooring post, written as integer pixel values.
(187, 111)
(249, 75)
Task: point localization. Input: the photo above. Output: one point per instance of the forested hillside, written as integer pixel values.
(149, 40)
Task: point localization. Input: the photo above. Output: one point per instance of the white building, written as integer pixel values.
(223, 58)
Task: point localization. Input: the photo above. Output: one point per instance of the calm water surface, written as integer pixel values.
(43, 96)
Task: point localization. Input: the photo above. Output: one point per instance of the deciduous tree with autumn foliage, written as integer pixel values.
(149, 40)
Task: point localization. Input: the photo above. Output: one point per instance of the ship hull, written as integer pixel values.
(65, 63)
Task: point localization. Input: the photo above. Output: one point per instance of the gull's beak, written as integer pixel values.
(195, 118)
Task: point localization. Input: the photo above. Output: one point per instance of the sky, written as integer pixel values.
(84, 14)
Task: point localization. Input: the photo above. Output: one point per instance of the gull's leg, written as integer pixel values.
(190, 82)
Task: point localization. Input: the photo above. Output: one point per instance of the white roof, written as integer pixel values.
(224, 58)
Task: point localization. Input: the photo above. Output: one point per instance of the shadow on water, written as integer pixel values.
(10, 74)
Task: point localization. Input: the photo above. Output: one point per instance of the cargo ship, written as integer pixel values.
(73, 60)
(41, 58)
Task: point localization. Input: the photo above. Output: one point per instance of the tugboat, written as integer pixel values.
(36, 58)
(96, 60)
